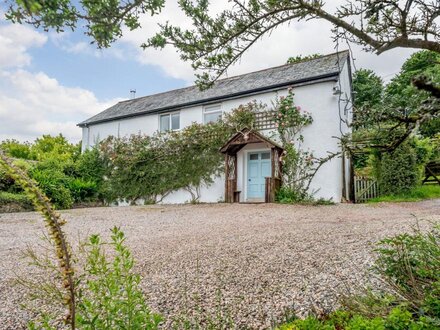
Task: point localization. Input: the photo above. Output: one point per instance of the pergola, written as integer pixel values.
(237, 142)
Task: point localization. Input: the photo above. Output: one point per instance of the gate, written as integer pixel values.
(365, 189)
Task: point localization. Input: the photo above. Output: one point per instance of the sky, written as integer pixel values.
(49, 82)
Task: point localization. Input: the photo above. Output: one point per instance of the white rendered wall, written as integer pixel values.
(320, 137)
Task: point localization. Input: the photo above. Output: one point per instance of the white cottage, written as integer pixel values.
(322, 86)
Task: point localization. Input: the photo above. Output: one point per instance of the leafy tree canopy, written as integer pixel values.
(368, 87)
(301, 58)
(216, 42)
(103, 21)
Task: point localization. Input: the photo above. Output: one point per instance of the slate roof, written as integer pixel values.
(289, 74)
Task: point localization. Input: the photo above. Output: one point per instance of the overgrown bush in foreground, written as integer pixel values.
(410, 265)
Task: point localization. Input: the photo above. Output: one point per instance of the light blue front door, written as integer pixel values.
(258, 168)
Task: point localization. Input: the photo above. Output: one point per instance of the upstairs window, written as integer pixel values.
(212, 113)
(169, 122)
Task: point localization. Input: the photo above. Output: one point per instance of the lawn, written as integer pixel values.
(416, 195)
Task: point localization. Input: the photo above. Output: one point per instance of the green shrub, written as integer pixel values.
(397, 319)
(10, 202)
(107, 291)
(54, 183)
(16, 149)
(287, 195)
(398, 170)
(109, 295)
(411, 264)
(82, 191)
(92, 166)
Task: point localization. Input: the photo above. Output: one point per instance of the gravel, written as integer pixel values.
(255, 263)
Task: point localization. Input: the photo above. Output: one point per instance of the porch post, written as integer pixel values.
(227, 199)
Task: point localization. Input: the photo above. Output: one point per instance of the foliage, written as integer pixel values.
(397, 319)
(298, 164)
(401, 91)
(109, 296)
(404, 109)
(58, 147)
(291, 119)
(64, 174)
(91, 165)
(10, 202)
(398, 171)
(410, 265)
(151, 167)
(368, 88)
(214, 43)
(53, 182)
(414, 195)
(302, 58)
(16, 149)
(297, 173)
(244, 116)
(81, 190)
(103, 21)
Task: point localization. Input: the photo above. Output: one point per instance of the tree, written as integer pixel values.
(215, 43)
(301, 58)
(368, 88)
(103, 21)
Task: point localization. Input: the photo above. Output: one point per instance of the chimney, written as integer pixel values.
(132, 93)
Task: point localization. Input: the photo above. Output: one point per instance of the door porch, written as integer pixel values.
(261, 177)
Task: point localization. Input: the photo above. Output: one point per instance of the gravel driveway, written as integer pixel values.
(254, 262)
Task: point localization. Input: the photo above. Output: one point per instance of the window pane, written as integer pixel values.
(164, 123)
(253, 156)
(265, 155)
(175, 121)
(212, 117)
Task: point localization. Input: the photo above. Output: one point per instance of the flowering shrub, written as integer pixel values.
(297, 163)
(290, 119)
(244, 116)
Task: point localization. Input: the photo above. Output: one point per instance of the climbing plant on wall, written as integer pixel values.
(298, 164)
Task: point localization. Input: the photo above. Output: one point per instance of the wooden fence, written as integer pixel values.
(365, 189)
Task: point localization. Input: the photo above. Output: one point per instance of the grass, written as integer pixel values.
(415, 195)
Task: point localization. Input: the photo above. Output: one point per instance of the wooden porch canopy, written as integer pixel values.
(237, 142)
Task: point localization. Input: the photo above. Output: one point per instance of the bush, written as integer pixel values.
(10, 202)
(410, 265)
(107, 291)
(53, 182)
(82, 191)
(151, 167)
(398, 171)
(109, 295)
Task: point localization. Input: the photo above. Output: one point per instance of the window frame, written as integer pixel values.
(217, 109)
(170, 121)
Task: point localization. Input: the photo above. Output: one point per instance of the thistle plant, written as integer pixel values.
(54, 223)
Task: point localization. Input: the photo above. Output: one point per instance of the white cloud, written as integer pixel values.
(297, 38)
(32, 104)
(14, 42)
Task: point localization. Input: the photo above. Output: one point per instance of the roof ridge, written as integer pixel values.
(242, 74)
